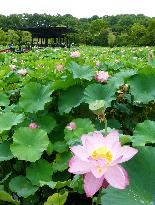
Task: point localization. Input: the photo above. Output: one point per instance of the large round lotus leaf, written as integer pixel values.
(22, 186)
(141, 190)
(47, 123)
(82, 72)
(70, 98)
(144, 133)
(7, 120)
(142, 87)
(34, 96)
(57, 199)
(4, 99)
(96, 91)
(29, 144)
(61, 161)
(39, 171)
(5, 153)
(120, 78)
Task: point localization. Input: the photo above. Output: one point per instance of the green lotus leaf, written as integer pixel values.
(4, 196)
(57, 199)
(96, 91)
(5, 153)
(60, 184)
(34, 96)
(29, 144)
(46, 123)
(142, 88)
(9, 119)
(39, 171)
(61, 161)
(60, 146)
(49, 148)
(57, 185)
(22, 186)
(82, 72)
(50, 184)
(120, 78)
(70, 98)
(141, 171)
(4, 99)
(84, 126)
(144, 133)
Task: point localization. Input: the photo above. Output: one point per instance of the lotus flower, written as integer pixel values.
(98, 63)
(102, 76)
(99, 159)
(33, 125)
(22, 72)
(14, 60)
(71, 126)
(59, 67)
(13, 67)
(75, 54)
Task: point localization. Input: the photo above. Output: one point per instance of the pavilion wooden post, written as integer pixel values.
(43, 34)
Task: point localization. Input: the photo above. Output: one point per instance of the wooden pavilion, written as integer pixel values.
(49, 36)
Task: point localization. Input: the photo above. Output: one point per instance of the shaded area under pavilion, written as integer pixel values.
(49, 36)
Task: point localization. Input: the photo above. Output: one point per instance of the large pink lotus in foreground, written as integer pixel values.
(98, 158)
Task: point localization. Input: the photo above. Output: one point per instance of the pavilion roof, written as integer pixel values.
(48, 31)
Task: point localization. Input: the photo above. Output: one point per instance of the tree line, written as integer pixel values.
(119, 30)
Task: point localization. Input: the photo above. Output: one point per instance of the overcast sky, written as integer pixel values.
(79, 8)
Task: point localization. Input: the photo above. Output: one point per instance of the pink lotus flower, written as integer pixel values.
(98, 158)
(98, 63)
(59, 67)
(14, 60)
(13, 67)
(102, 76)
(71, 126)
(75, 54)
(22, 72)
(33, 125)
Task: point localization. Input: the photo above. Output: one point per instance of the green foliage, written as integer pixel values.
(34, 96)
(22, 186)
(4, 100)
(61, 162)
(5, 153)
(137, 30)
(60, 146)
(82, 72)
(142, 88)
(144, 133)
(39, 171)
(70, 98)
(29, 144)
(4, 196)
(84, 126)
(46, 123)
(142, 186)
(9, 119)
(100, 92)
(57, 199)
(34, 161)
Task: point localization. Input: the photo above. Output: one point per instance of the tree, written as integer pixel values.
(111, 39)
(122, 39)
(3, 37)
(12, 37)
(26, 37)
(150, 37)
(97, 26)
(137, 34)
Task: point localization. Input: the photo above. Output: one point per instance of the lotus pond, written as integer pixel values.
(77, 126)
